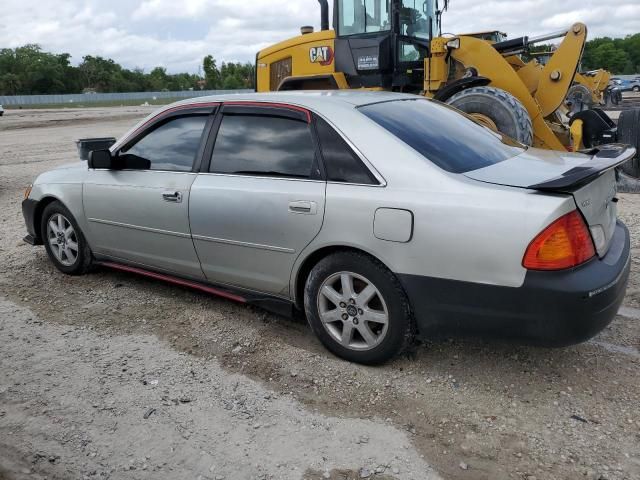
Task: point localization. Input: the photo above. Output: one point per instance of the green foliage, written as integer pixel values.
(28, 70)
(621, 56)
(618, 55)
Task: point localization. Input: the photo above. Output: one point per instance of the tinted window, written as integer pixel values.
(363, 16)
(263, 145)
(172, 146)
(443, 135)
(342, 164)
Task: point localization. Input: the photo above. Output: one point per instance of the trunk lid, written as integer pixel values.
(589, 177)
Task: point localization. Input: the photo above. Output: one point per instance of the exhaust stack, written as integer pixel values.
(324, 14)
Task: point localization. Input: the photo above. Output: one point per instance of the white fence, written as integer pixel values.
(86, 98)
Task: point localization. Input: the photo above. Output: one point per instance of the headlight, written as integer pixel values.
(455, 43)
(27, 191)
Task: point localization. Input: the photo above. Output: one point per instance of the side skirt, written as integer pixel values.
(275, 305)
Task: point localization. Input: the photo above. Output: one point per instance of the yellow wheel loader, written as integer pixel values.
(398, 45)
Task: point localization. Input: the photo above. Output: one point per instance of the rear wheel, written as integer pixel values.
(357, 308)
(497, 109)
(629, 133)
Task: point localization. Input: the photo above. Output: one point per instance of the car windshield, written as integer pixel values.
(442, 134)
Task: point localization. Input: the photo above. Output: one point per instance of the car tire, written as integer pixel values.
(369, 321)
(503, 109)
(64, 241)
(636, 89)
(629, 133)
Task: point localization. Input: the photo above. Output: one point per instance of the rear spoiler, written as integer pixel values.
(604, 158)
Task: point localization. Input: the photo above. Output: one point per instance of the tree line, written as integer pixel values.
(621, 56)
(29, 70)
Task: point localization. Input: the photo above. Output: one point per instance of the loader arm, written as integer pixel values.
(488, 62)
(559, 72)
(596, 82)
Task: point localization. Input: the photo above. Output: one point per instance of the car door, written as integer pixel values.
(140, 213)
(260, 200)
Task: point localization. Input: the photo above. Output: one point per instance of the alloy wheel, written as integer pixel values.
(353, 311)
(62, 239)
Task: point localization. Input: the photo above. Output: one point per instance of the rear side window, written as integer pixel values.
(442, 134)
(340, 161)
(263, 145)
(172, 146)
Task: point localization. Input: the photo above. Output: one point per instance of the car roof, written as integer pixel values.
(332, 104)
(313, 100)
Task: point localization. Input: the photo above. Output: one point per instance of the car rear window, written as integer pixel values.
(442, 134)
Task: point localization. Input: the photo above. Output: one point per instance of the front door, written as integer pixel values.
(261, 200)
(141, 215)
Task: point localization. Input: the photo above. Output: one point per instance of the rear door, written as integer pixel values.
(140, 214)
(260, 199)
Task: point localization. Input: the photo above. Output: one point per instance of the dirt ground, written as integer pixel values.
(116, 376)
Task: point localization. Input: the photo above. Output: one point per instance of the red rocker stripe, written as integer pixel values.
(175, 281)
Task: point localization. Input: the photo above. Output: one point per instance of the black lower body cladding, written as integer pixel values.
(550, 309)
(29, 212)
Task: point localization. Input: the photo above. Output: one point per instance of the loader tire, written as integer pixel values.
(505, 110)
(629, 133)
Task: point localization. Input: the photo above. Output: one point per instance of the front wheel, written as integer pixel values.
(63, 240)
(496, 109)
(357, 308)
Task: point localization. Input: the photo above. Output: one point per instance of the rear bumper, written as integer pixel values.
(29, 213)
(550, 308)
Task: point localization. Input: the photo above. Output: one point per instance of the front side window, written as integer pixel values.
(442, 134)
(173, 146)
(363, 16)
(265, 146)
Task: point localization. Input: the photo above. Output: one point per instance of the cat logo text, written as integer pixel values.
(321, 55)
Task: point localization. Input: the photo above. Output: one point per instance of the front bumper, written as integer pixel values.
(29, 207)
(551, 308)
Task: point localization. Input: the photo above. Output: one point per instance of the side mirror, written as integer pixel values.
(100, 159)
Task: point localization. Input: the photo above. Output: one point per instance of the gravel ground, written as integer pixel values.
(230, 391)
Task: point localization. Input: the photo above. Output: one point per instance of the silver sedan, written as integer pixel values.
(381, 216)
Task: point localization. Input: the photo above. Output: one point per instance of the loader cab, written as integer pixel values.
(493, 36)
(383, 43)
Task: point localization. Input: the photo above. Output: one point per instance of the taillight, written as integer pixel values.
(565, 243)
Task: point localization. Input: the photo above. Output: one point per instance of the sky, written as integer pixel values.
(177, 34)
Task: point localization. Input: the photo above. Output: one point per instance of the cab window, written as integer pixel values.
(414, 18)
(363, 16)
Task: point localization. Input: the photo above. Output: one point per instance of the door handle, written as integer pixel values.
(303, 207)
(175, 197)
